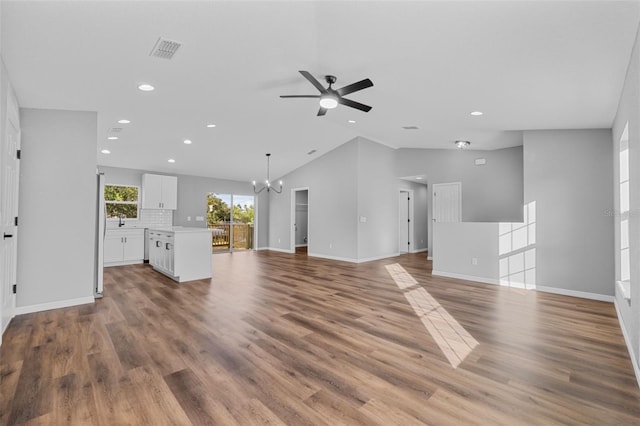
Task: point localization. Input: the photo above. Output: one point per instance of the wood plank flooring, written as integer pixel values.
(277, 338)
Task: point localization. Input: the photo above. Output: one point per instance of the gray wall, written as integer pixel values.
(333, 207)
(56, 242)
(490, 193)
(377, 194)
(568, 173)
(629, 111)
(192, 196)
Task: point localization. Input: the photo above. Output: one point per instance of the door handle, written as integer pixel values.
(166, 246)
(7, 236)
(157, 243)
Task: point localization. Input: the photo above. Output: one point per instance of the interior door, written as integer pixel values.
(403, 222)
(10, 170)
(447, 202)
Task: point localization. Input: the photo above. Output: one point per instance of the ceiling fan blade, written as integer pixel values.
(362, 84)
(322, 111)
(354, 104)
(299, 96)
(313, 81)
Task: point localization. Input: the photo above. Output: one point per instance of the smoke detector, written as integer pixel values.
(165, 48)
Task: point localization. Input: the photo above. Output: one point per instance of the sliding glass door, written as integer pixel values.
(231, 219)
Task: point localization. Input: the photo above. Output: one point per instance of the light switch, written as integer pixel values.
(199, 218)
(363, 219)
(188, 218)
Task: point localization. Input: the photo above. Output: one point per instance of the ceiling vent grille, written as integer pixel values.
(115, 130)
(165, 48)
(410, 127)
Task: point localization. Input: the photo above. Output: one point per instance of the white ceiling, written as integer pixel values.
(526, 65)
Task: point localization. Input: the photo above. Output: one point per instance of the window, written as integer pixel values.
(121, 200)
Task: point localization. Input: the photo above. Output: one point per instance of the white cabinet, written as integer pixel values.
(159, 192)
(123, 246)
(183, 254)
(161, 251)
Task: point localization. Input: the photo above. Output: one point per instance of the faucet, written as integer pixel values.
(120, 220)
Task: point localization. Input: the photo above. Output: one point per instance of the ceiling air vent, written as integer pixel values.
(410, 127)
(165, 48)
(115, 130)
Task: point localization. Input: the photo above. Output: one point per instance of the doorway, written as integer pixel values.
(231, 218)
(300, 220)
(405, 221)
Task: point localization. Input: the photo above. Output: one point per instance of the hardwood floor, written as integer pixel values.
(276, 338)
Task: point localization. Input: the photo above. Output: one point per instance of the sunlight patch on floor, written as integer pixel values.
(402, 278)
(454, 341)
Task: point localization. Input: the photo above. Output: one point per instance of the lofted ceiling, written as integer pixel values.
(525, 64)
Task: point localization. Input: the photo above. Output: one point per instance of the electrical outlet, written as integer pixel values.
(199, 218)
(278, 240)
(188, 218)
(330, 245)
(474, 261)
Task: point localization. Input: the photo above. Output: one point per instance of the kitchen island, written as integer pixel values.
(181, 253)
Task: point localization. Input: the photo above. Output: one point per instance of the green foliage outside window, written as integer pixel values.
(121, 200)
(218, 211)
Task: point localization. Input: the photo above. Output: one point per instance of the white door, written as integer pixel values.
(447, 202)
(403, 222)
(10, 172)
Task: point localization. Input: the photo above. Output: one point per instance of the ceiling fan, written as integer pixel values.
(330, 97)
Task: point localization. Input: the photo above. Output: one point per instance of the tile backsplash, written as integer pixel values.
(149, 218)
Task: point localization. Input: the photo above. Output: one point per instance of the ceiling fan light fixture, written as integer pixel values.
(462, 144)
(328, 101)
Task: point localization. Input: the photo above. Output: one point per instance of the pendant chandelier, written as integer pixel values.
(267, 183)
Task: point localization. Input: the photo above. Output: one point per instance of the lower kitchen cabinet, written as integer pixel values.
(181, 253)
(123, 247)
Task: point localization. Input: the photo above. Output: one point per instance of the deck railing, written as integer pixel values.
(221, 236)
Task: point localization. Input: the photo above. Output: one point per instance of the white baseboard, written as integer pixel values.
(429, 258)
(419, 250)
(53, 305)
(575, 293)
(627, 340)
(466, 277)
(352, 260)
(301, 245)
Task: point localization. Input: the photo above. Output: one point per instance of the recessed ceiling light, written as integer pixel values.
(418, 177)
(477, 113)
(105, 151)
(462, 144)
(123, 121)
(112, 138)
(352, 121)
(146, 87)
(171, 160)
(211, 125)
(187, 141)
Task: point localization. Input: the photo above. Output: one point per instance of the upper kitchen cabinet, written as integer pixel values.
(159, 192)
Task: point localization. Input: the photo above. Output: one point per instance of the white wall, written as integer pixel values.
(490, 193)
(377, 193)
(332, 182)
(57, 208)
(457, 243)
(568, 173)
(629, 111)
